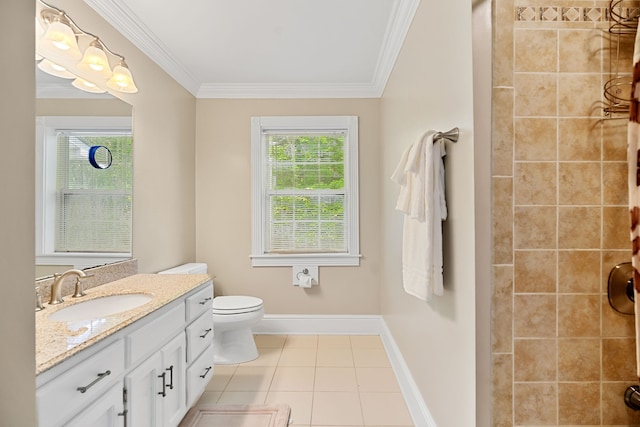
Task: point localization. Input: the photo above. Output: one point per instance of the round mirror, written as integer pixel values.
(100, 157)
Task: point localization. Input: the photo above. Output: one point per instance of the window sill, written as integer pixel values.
(326, 260)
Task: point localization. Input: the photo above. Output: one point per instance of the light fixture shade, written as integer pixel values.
(95, 61)
(59, 39)
(39, 28)
(55, 69)
(122, 80)
(86, 86)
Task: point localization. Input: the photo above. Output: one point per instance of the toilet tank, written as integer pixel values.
(190, 268)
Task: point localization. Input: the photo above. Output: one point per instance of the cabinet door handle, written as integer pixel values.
(206, 332)
(123, 414)
(206, 371)
(170, 369)
(101, 375)
(204, 301)
(163, 393)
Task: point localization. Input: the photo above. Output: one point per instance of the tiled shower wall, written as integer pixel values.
(561, 354)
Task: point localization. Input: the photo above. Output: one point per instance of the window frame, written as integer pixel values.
(46, 147)
(259, 257)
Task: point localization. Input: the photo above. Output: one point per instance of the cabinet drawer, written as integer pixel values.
(151, 336)
(199, 335)
(198, 375)
(60, 398)
(200, 302)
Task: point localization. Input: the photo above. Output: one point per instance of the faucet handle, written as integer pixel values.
(39, 305)
(79, 290)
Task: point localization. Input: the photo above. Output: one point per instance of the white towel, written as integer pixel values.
(420, 174)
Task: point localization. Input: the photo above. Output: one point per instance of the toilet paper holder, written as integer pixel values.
(303, 271)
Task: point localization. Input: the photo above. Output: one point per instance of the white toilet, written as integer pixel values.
(233, 318)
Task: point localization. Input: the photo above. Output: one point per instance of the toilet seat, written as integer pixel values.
(235, 304)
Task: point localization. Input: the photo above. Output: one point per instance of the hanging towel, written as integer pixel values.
(420, 174)
(633, 157)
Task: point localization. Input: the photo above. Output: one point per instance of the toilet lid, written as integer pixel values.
(235, 304)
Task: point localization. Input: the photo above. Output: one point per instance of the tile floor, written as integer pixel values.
(328, 380)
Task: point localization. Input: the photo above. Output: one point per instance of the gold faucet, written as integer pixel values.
(56, 287)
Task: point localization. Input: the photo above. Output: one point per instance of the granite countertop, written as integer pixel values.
(57, 340)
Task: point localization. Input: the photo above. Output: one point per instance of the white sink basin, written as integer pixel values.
(100, 307)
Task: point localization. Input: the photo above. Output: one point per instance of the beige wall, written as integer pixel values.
(82, 107)
(223, 213)
(163, 147)
(17, 232)
(561, 355)
(482, 73)
(431, 88)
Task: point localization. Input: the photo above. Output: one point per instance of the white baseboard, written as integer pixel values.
(293, 324)
(412, 396)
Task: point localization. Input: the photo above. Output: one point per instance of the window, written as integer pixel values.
(305, 190)
(84, 214)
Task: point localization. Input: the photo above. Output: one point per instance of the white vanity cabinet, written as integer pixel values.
(149, 363)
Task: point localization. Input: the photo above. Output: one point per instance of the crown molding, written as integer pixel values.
(394, 37)
(312, 90)
(118, 14)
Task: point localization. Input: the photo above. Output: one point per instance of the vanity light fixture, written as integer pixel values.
(65, 50)
(54, 69)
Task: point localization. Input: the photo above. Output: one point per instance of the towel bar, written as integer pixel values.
(451, 135)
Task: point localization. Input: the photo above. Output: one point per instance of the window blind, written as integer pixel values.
(305, 191)
(93, 206)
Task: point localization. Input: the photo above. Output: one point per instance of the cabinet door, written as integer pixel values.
(143, 386)
(107, 411)
(156, 388)
(173, 365)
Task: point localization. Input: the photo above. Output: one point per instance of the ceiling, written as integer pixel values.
(266, 49)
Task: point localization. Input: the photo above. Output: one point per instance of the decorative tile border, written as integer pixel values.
(572, 14)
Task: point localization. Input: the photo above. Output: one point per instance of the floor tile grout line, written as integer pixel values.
(315, 378)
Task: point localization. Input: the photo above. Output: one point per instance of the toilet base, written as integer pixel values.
(234, 346)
